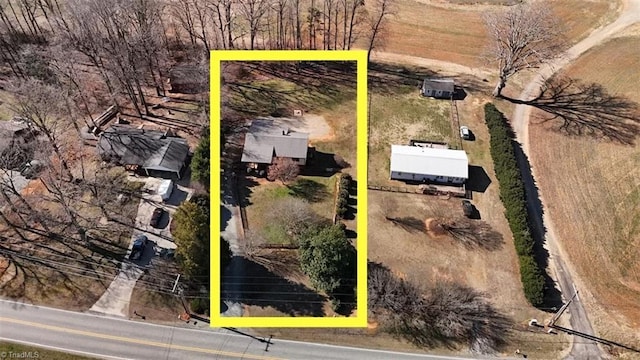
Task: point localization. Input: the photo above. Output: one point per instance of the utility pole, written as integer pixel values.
(562, 309)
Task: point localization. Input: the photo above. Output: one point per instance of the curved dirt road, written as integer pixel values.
(630, 14)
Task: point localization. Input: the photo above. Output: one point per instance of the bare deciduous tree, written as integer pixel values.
(377, 20)
(43, 105)
(524, 36)
(253, 12)
(293, 214)
(283, 169)
(447, 314)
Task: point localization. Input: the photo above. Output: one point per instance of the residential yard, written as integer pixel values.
(424, 259)
(425, 28)
(399, 115)
(317, 190)
(593, 195)
(325, 93)
(61, 270)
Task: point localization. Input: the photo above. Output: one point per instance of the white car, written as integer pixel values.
(465, 133)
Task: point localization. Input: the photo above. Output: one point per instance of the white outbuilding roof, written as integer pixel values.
(429, 161)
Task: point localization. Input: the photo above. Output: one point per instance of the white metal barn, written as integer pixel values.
(415, 163)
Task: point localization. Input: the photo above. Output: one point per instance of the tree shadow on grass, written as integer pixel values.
(324, 164)
(587, 110)
(309, 190)
(263, 287)
(245, 187)
(408, 223)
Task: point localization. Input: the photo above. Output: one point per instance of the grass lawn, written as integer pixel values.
(264, 88)
(317, 190)
(593, 196)
(36, 352)
(395, 119)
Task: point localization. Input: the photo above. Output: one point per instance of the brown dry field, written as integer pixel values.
(444, 31)
(593, 196)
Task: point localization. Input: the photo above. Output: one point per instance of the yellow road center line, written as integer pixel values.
(136, 341)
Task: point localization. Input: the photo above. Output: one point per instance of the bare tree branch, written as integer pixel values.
(523, 36)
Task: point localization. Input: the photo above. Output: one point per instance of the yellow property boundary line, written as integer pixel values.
(360, 57)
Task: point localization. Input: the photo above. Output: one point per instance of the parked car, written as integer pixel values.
(467, 208)
(156, 217)
(139, 244)
(465, 133)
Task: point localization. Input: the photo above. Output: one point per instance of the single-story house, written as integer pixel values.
(415, 163)
(266, 140)
(154, 151)
(438, 88)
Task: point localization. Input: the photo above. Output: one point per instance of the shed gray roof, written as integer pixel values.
(438, 84)
(266, 139)
(150, 149)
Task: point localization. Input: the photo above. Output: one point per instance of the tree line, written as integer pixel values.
(513, 196)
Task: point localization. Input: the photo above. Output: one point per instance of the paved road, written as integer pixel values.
(582, 350)
(115, 338)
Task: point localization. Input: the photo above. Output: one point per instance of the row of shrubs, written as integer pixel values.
(344, 182)
(513, 196)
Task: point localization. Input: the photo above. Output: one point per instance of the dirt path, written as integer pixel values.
(436, 65)
(520, 122)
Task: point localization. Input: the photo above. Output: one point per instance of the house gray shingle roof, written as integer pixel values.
(266, 139)
(150, 149)
(438, 84)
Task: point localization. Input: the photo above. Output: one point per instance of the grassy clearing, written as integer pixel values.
(397, 119)
(342, 120)
(424, 259)
(593, 192)
(14, 350)
(318, 190)
(154, 306)
(264, 89)
(456, 33)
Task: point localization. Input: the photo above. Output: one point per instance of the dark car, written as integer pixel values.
(467, 208)
(156, 216)
(138, 247)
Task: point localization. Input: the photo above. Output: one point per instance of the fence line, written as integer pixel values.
(417, 190)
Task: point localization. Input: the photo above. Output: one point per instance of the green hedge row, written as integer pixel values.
(344, 182)
(512, 195)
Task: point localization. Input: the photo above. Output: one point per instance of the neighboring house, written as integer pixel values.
(438, 88)
(415, 163)
(266, 140)
(16, 138)
(156, 152)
